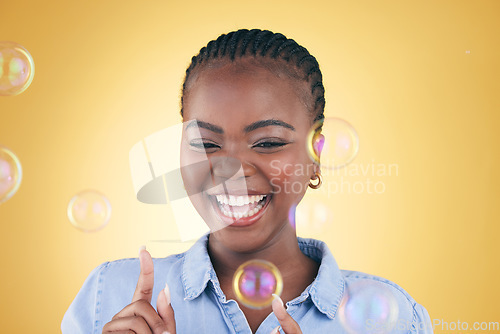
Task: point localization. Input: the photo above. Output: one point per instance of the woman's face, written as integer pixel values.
(252, 126)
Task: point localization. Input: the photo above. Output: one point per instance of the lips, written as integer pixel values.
(240, 210)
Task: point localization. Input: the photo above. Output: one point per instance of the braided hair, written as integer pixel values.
(271, 50)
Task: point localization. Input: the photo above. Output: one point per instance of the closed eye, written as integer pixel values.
(269, 144)
(202, 145)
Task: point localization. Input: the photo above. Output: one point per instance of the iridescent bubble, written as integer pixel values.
(311, 217)
(254, 283)
(89, 211)
(332, 143)
(291, 215)
(368, 307)
(11, 174)
(16, 68)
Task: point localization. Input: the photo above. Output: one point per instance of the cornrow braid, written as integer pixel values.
(262, 44)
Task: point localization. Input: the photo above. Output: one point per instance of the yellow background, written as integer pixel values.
(108, 73)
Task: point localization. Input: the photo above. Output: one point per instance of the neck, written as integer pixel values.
(283, 251)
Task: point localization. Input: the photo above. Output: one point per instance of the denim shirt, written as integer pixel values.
(200, 305)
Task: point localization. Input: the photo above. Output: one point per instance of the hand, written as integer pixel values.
(139, 316)
(288, 325)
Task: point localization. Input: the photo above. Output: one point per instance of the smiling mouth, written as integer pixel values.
(240, 210)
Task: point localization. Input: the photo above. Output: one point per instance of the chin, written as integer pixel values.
(246, 241)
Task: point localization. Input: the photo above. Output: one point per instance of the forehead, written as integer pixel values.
(243, 89)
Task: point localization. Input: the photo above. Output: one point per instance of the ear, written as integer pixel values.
(316, 170)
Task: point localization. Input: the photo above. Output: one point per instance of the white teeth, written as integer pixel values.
(239, 215)
(239, 200)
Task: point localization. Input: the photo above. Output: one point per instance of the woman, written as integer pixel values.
(249, 97)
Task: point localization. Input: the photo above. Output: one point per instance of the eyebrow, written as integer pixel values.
(249, 128)
(268, 122)
(205, 125)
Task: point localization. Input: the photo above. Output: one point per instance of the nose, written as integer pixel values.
(226, 167)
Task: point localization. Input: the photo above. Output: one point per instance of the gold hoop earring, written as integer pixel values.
(317, 176)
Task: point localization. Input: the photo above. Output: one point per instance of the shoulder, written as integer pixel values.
(357, 279)
(383, 295)
(356, 294)
(116, 280)
(110, 287)
(124, 272)
(131, 265)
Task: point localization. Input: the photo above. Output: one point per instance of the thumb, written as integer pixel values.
(165, 309)
(288, 325)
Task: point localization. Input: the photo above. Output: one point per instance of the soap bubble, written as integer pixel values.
(368, 307)
(89, 211)
(311, 217)
(16, 68)
(11, 174)
(255, 282)
(291, 215)
(332, 143)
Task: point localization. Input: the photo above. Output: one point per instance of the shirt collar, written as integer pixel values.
(197, 268)
(326, 291)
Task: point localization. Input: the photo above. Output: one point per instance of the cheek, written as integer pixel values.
(195, 170)
(289, 178)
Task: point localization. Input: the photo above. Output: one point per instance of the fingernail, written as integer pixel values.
(275, 331)
(165, 333)
(167, 293)
(142, 248)
(277, 299)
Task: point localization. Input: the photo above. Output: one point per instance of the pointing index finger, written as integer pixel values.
(144, 288)
(287, 323)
